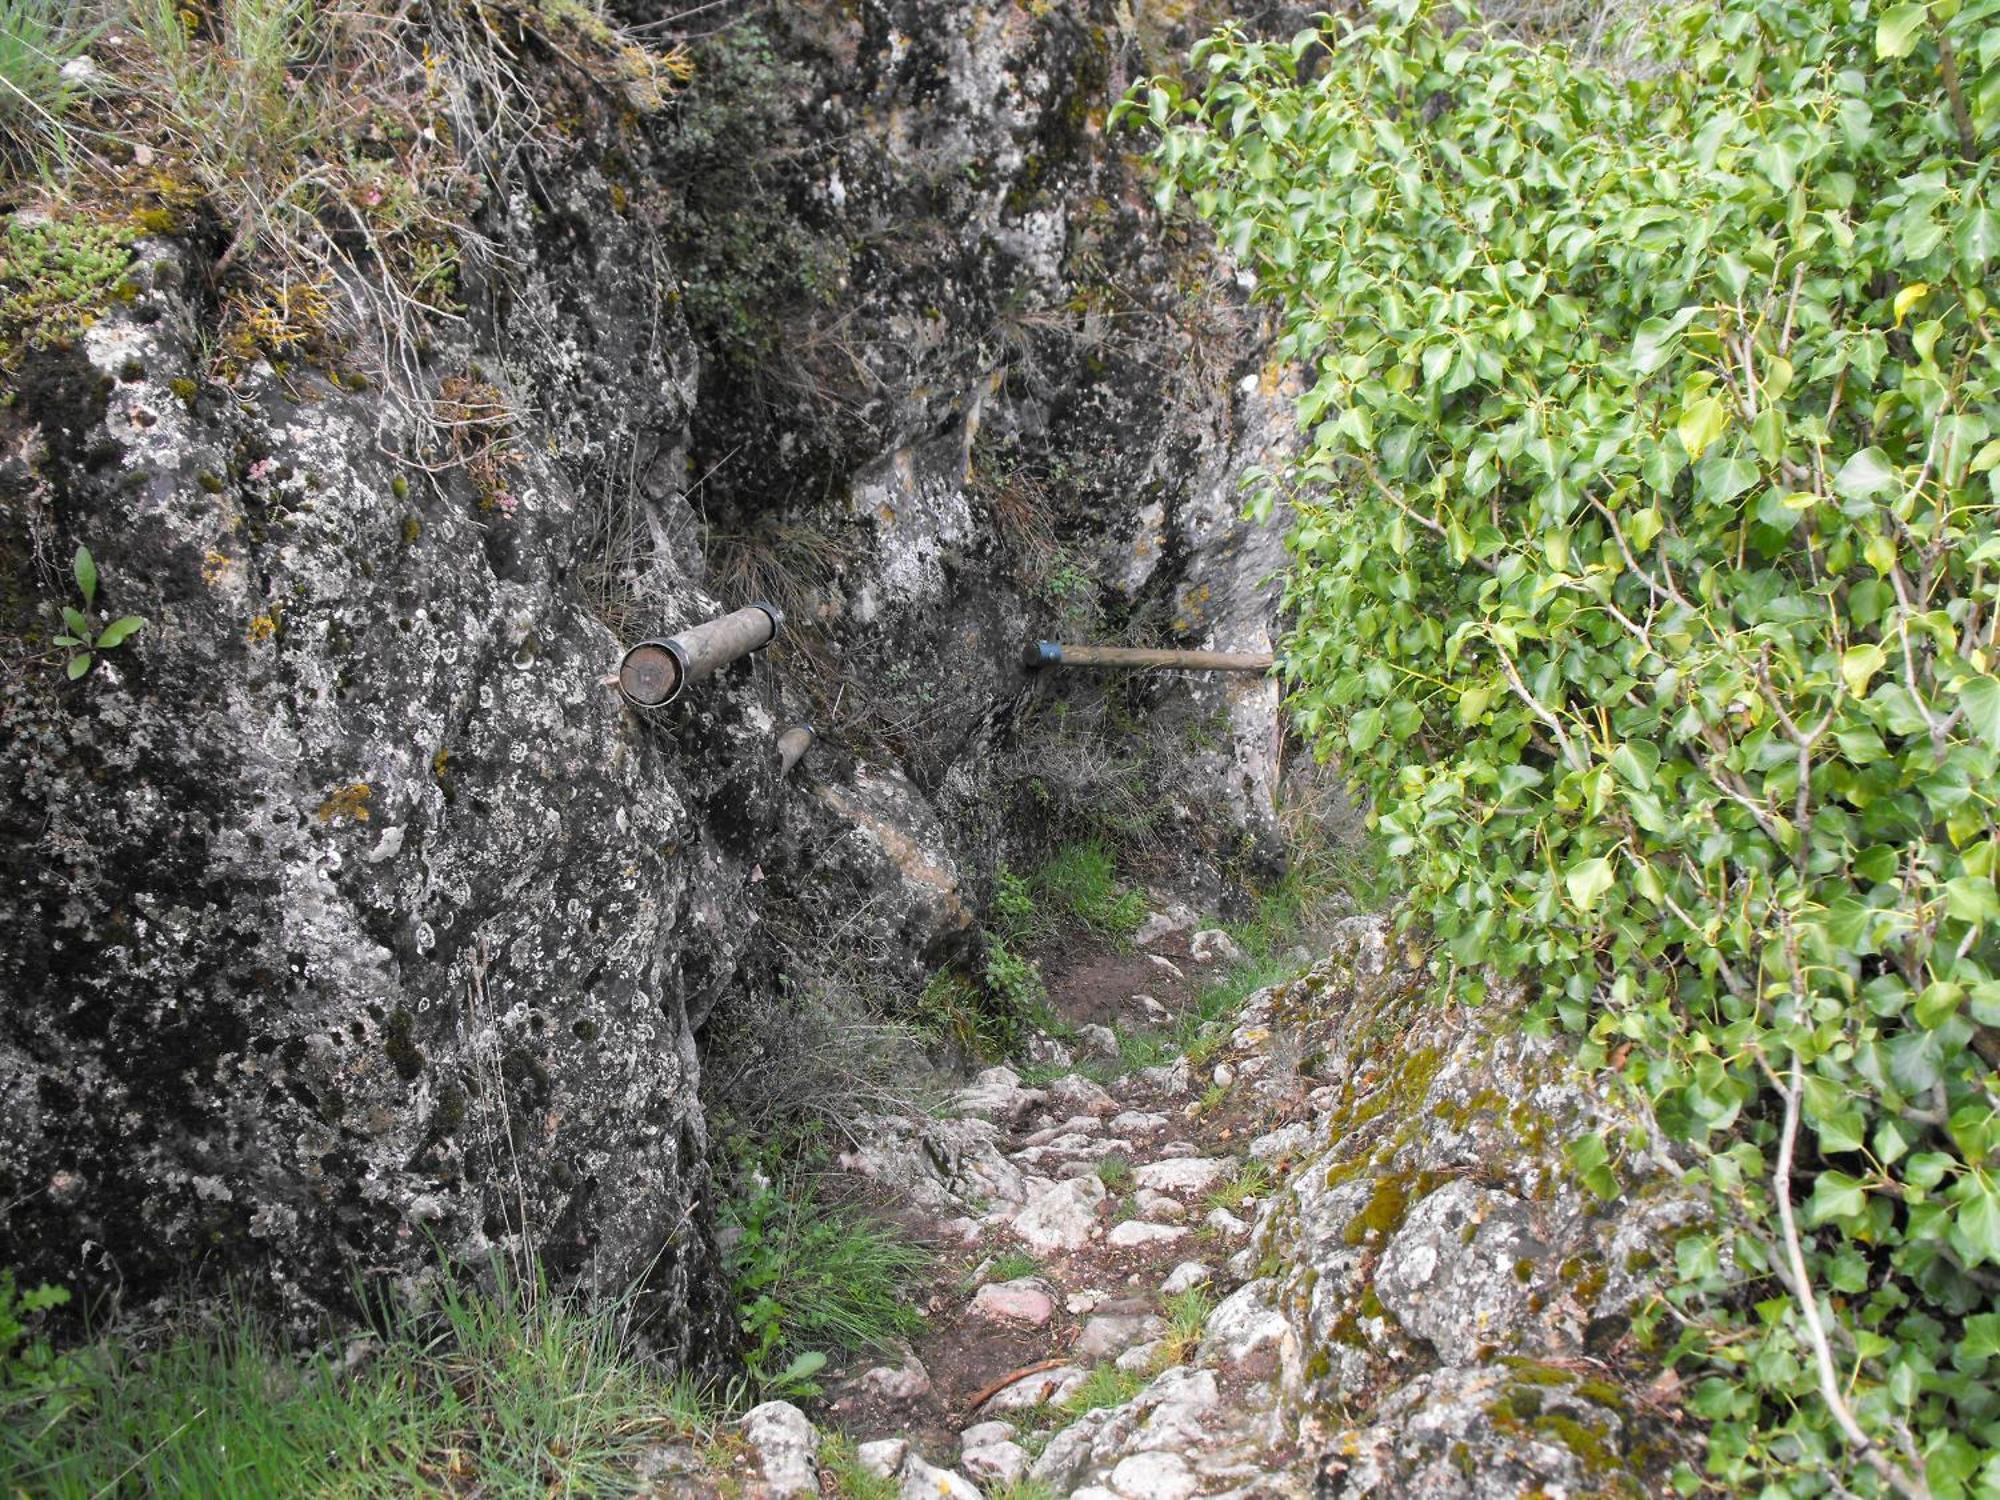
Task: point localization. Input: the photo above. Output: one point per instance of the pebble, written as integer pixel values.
(1099, 1039)
(1158, 1207)
(1023, 1300)
(998, 1463)
(1212, 943)
(1184, 1174)
(785, 1444)
(1106, 1335)
(1044, 1387)
(1137, 1122)
(1063, 1218)
(1224, 1222)
(1135, 1232)
(1185, 1277)
(1153, 1476)
(883, 1457)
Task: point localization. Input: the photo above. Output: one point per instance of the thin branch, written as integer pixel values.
(1912, 1486)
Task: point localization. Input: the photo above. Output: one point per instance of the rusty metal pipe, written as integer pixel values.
(1053, 654)
(652, 673)
(792, 746)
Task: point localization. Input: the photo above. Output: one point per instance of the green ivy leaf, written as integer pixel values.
(1896, 32)
(1588, 880)
(1980, 698)
(1865, 476)
(1975, 1228)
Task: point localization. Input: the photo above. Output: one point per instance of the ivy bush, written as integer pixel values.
(1645, 575)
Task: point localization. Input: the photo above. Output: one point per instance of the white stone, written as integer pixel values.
(1170, 1078)
(1166, 965)
(980, 1434)
(1137, 1122)
(1099, 1039)
(1044, 1387)
(1075, 1092)
(1185, 1277)
(921, 1481)
(1212, 943)
(1140, 1357)
(785, 1443)
(999, 1463)
(1109, 1334)
(1135, 1232)
(1222, 1221)
(1184, 1174)
(1153, 1476)
(1288, 1140)
(1243, 1323)
(909, 1382)
(1163, 924)
(1158, 1207)
(1062, 1218)
(996, 1094)
(883, 1457)
(1084, 1301)
(1223, 1076)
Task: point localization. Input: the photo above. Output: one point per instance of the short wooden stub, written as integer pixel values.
(649, 675)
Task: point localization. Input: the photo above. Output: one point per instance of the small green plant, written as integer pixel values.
(56, 276)
(28, 1363)
(82, 640)
(1252, 1181)
(1012, 1265)
(1115, 1172)
(1016, 917)
(1187, 1320)
(1212, 1097)
(809, 1277)
(1107, 1385)
(1081, 882)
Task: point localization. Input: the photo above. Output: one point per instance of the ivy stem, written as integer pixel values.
(1912, 1486)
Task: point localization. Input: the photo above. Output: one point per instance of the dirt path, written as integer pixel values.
(1132, 1159)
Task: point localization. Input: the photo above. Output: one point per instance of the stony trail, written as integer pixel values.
(1116, 1205)
(1330, 1245)
(1114, 1219)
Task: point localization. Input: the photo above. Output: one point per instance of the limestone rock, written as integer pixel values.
(1062, 1218)
(1026, 1300)
(784, 1443)
(1185, 1174)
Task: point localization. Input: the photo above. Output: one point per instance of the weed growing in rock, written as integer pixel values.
(1115, 1172)
(1080, 885)
(1107, 1385)
(1187, 1320)
(1012, 1265)
(82, 639)
(812, 1278)
(1251, 1182)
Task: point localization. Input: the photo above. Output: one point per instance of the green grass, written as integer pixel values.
(1080, 886)
(1012, 1265)
(850, 1481)
(37, 38)
(1115, 1172)
(814, 1278)
(1107, 1385)
(1252, 1180)
(517, 1393)
(1187, 1320)
(1022, 1489)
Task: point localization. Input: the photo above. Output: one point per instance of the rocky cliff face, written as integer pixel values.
(344, 912)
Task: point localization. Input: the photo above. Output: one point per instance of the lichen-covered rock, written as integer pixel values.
(346, 913)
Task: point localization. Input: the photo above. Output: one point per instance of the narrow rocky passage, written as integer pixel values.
(1321, 1237)
(1093, 1210)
